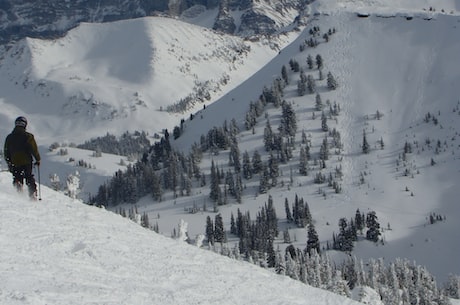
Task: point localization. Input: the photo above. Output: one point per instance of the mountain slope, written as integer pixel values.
(401, 67)
(101, 76)
(59, 251)
(400, 61)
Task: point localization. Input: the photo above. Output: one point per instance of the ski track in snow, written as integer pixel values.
(340, 58)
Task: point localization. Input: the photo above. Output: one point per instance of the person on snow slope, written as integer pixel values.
(19, 151)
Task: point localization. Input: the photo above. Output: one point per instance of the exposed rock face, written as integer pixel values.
(253, 23)
(51, 18)
(54, 17)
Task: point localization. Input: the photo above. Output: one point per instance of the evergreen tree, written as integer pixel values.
(247, 166)
(339, 285)
(312, 240)
(145, 220)
(331, 82)
(318, 102)
(271, 219)
(373, 227)
(310, 62)
(271, 255)
(280, 267)
(344, 240)
(230, 183)
(289, 121)
(359, 221)
(215, 189)
(288, 210)
(238, 189)
(311, 84)
(324, 126)
(349, 272)
(286, 237)
(319, 62)
(234, 156)
(233, 229)
(365, 147)
(264, 182)
(303, 162)
(292, 266)
(301, 87)
(453, 287)
(324, 150)
(273, 169)
(268, 137)
(257, 164)
(209, 230)
(219, 231)
(284, 75)
(294, 65)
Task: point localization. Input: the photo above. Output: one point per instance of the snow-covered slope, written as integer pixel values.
(59, 251)
(389, 7)
(123, 76)
(404, 68)
(402, 61)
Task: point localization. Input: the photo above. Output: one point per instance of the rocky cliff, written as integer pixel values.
(48, 19)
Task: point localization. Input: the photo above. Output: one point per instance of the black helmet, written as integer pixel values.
(21, 121)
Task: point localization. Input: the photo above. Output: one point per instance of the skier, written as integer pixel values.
(20, 147)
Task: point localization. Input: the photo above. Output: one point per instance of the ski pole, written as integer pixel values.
(39, 184)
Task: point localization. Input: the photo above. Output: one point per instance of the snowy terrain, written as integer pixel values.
(102, 77)
(60, 251)
(401, 60)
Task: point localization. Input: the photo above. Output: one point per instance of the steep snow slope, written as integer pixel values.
(404, 68)
(59, 251)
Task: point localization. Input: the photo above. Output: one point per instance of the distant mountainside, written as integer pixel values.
(47, 19)
(151, 71)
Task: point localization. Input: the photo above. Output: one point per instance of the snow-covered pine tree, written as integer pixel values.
(318, 102)
(331, 82)
(257, 164)
(268, 137)
(319, 62)
(309, 61)
(247, 166)
(273, 169)
(359, 221)
(209, 230)
(312, 240)
(73, 184)
(284, 75)
(219, 231)
(311, 84)
(303, 162)
(373, 227)
(365, 147)
(324, 126)
(215, 188)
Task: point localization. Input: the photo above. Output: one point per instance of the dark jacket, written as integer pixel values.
(20, 146)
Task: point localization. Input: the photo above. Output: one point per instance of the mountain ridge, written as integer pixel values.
(70, 74)
(52, 19)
